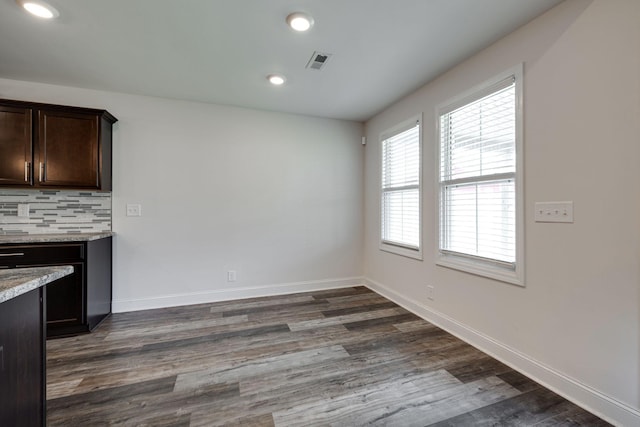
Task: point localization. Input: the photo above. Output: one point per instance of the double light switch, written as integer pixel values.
(134, 210)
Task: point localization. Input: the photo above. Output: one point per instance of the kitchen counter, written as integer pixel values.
(54, 238)
(18, 281)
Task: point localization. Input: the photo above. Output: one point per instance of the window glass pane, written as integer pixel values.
(479, 219)
(478, 138)
(401, 163)
(401, 220)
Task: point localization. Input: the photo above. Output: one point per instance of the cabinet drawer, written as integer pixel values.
(25, 255)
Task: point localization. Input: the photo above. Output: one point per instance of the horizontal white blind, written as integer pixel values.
(401, 188)
(477, 177)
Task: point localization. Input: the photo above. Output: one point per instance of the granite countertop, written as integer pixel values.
(18, 281)
(52, 238)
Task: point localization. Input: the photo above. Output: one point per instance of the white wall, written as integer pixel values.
(575, 326)
(276, 197)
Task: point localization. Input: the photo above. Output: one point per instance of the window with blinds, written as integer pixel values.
(478, 176)
(400, 191)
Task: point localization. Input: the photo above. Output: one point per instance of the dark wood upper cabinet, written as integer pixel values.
(67, 148)
(54, 146)
(15, 146)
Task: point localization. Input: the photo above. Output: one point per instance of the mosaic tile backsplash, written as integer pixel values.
(54, 212)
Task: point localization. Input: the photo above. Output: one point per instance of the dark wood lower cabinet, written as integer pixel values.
(98, 282)
(22, 361)
(76, 303)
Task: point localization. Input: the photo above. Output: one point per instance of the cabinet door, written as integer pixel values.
(22, 367)
(15, 146)
(67, 150)
(65, 303)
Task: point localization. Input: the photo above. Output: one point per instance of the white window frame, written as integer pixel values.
(480, 266)
(399, 249)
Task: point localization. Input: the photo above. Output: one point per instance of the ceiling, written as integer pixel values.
(220, 51)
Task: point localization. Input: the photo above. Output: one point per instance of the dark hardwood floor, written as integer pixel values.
(345, 357)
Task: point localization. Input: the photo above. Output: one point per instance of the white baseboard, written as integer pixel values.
(594, 401)
(174, 300)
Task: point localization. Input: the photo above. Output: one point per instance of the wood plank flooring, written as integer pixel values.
(345, 357)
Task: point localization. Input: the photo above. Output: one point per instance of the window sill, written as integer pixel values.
(479, 268)
(402, 251)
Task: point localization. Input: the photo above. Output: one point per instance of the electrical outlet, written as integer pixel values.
(431, 292)
(231, 276)
(23, 210)
(134, 210)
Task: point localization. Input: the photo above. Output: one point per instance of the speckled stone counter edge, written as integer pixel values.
(53, 238)
(18, 281)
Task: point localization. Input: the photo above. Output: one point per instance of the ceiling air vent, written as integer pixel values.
(318, 60)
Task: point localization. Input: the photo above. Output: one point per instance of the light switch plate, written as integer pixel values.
(23, 210)
(554, 212)
(134, 210)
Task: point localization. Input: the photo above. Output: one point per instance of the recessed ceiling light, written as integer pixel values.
(39, 8)
(300, 21)
(276, 79)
